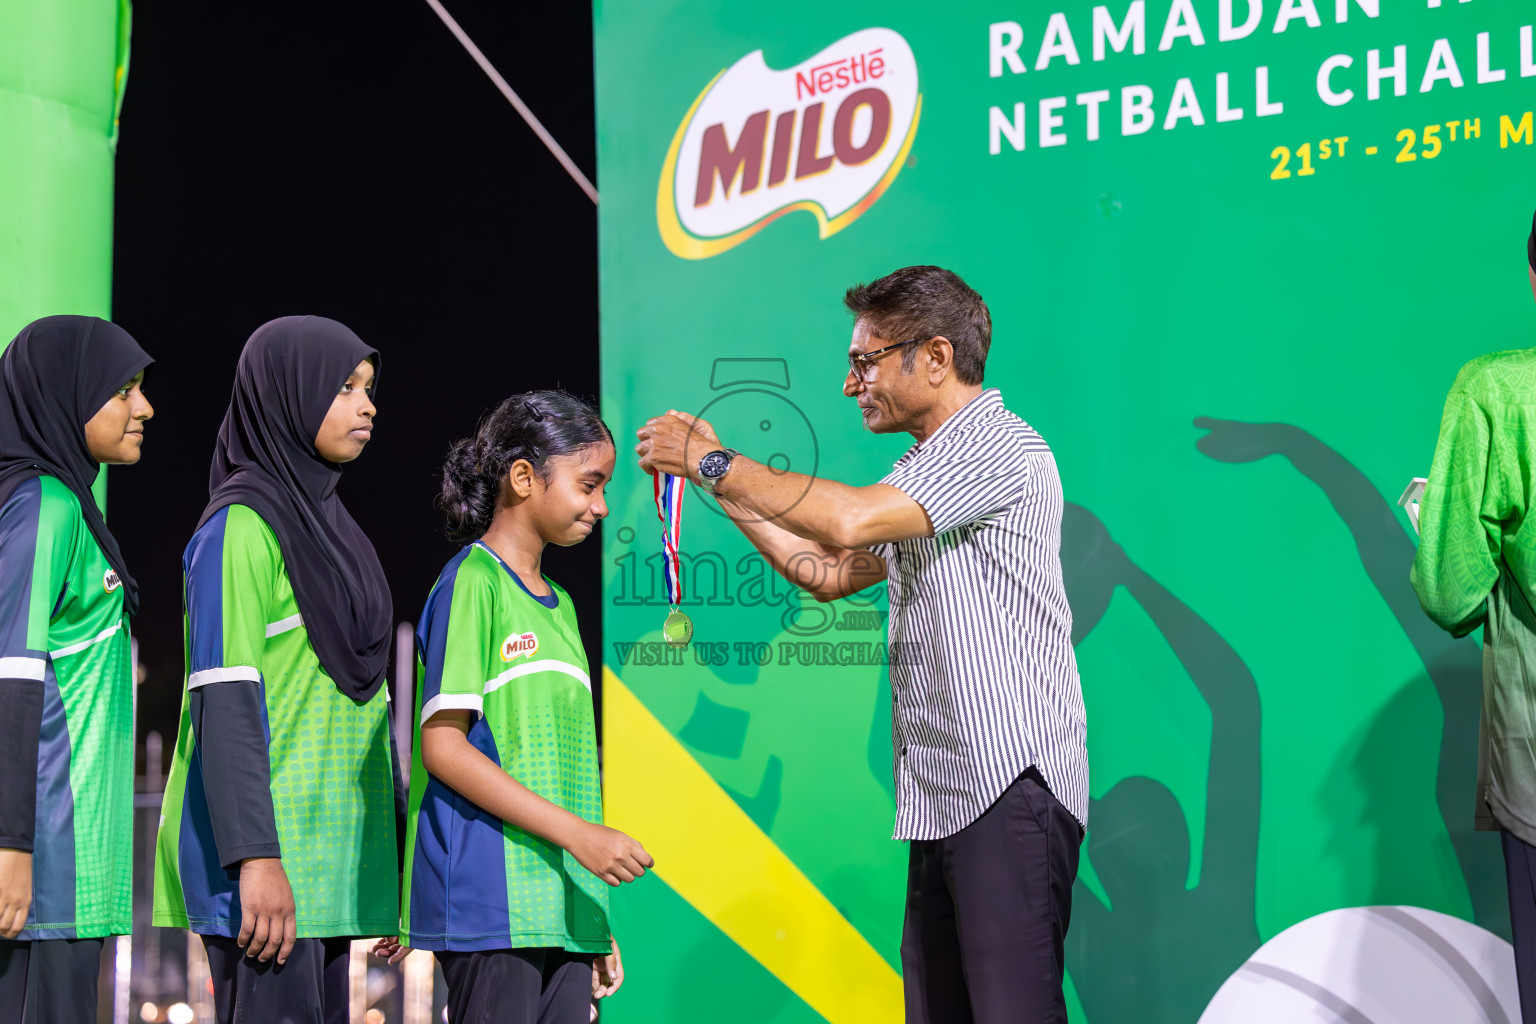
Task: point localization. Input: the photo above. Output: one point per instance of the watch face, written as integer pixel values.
(714, 464)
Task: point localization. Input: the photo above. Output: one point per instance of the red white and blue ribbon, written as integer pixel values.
(669, 508)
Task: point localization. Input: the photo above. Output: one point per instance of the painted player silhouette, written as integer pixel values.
(1454, 666)
(1160, 950)
(1139, 842)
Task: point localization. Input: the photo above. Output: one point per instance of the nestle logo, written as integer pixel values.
(839, 74)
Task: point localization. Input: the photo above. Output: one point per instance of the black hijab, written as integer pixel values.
(54, 378)
(288, 375)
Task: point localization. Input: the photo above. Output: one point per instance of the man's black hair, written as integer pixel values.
(923, 303)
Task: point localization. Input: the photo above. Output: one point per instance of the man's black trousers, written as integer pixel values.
(987, 914)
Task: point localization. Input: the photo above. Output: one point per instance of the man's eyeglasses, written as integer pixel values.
(859, 363)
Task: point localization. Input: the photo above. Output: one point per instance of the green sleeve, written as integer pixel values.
(39, 527)
(462, 653)
(59, 524)
(231, 569)
(1461, 517)
(252, 561)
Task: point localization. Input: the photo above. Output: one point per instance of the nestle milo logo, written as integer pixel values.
(827, 136)
(519, 645)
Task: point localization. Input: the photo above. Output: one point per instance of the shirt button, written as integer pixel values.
(903, 751)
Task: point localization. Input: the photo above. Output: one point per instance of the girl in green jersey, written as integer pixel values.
(507, 860)
(70, 401)
(277, 834)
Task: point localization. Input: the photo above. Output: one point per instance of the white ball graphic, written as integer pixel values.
(1374, 965)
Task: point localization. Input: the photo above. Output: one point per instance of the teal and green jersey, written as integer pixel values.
(331, 785)
(515, 661)
(1476, 565)
(62, 628)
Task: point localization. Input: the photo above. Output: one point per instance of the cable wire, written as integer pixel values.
(515, 100)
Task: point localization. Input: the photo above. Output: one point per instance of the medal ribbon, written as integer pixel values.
(669, 508)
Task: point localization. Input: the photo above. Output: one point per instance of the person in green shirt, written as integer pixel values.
(278, 833)
(71, 401)
(507, 858)
(1476, 566)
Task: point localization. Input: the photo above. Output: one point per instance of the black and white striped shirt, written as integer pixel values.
(983, 676)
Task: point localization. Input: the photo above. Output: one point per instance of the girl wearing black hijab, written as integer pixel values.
(277, 838)
(70, 401)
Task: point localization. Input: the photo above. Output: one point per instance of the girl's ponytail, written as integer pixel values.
(468, 498)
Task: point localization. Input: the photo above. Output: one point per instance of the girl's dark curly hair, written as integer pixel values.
(535, 425)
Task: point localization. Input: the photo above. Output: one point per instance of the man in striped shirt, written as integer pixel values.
(987, 712)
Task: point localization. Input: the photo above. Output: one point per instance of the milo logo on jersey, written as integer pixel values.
(827, 136)
(111, 581)
(519, 645)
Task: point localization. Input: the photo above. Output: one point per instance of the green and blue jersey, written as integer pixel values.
(328, 803)
(62, 628)
(474, 882)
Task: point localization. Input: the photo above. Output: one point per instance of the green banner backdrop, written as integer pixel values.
(1235, 253)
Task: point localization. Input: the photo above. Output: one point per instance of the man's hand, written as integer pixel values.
(609, 854)
(15, 891)
(390, 949)
(607, 973)
(675, 443)
(268, 923)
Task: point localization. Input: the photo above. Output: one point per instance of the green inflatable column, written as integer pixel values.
(63, 65)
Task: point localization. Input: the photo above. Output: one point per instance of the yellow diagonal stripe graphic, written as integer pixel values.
(716, 858)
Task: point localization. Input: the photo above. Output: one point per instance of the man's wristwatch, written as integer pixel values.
(713, 467)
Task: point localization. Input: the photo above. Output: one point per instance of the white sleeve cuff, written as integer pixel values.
(22, 668)
(452, 702)
(228, 674)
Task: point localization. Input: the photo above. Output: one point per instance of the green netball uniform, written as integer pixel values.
(474, 882)
(62, 628)
(331, 779)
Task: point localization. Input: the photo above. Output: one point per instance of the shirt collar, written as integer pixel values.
(978, 408)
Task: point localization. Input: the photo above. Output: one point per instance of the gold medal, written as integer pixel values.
(678, 629)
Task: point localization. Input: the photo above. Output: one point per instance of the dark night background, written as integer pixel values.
(349, 160)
